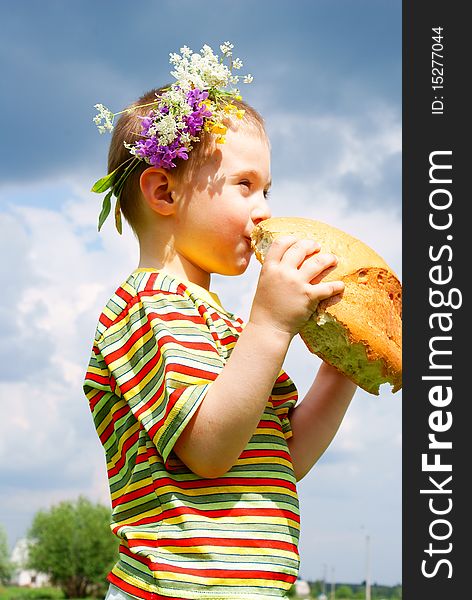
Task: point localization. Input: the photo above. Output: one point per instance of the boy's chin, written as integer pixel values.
(237, 269)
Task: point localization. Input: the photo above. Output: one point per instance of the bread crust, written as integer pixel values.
(365, 324)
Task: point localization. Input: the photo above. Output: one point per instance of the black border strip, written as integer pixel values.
(436, 273)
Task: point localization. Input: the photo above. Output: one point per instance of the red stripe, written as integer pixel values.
(191, 371)
(111, 426)
(263, 424)
(149, 366)
(151, 282)
(104, 320)
(229, 339)
(123, 350)
(149, 293)
(100, 379)
(172, 400)
(168, 339)
(131, 441)
(282, 378)
(152, 400)
(96, 399)
(124, 295)
(265, 453)
(223, 542)
(174, 316)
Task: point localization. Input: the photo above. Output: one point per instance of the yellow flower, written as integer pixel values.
(240, 113)
(218, 128)
(221, 140)
(229, 108)
(208, 125)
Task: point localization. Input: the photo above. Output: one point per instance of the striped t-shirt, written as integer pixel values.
(160, 343)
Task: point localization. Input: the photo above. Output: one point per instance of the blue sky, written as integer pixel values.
(328, 82)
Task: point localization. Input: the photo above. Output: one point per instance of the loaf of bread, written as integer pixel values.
(360, 332)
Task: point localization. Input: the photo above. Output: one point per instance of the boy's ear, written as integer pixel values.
(155, 186)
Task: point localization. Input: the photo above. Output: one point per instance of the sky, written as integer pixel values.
(327, 79)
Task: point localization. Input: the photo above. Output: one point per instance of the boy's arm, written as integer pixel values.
(317, 418)
(228, 415)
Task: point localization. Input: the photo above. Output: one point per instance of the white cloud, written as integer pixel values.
(60, 275)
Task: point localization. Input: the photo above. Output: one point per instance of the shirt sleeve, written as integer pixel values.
(163, 358)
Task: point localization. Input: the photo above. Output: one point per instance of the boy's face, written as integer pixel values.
(224, 200)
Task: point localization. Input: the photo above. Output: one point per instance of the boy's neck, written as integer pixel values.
(174, 264)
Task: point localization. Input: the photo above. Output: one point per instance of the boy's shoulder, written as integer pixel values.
(157, 291)
(141, 284)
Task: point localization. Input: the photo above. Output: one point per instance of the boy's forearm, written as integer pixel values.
(231, 410)
(316, 419)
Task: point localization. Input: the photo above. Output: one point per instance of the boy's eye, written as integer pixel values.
(266, 193)
(246, 183)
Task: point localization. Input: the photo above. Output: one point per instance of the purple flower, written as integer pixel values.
(146, 122)
(196, 96)
(148, 147)
(160, 156)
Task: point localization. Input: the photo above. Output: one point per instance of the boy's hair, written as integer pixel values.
(127, 130)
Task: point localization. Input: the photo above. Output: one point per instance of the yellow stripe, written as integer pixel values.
(247, 493)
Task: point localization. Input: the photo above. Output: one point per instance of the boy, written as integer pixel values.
(203, 442)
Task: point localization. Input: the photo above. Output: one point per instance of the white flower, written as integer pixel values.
(185, 138)
(130, 147)
(207, 51)
(237, 63)
(248, 78)
(186, 52)
(166, 128)
(174, 58)
(105, 115)
(226, 48)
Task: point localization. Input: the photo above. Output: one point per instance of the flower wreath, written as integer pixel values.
(198, 100)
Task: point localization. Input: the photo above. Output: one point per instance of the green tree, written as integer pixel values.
(73, 544)
(343, 591)
(6, 567)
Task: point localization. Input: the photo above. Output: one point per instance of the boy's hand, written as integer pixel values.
(290, 284)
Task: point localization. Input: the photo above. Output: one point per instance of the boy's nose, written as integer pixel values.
(261, 212)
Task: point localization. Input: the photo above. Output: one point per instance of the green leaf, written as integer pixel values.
(105, 183)
(118, 223)
(106, 207)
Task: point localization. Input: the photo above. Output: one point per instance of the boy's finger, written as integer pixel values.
(318, 266)
(297, 253)
(326, 289)
(279, 246)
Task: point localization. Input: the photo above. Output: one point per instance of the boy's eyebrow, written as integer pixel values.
(251, 173)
